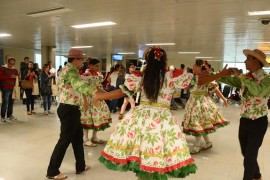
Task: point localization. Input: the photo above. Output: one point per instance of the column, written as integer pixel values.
(48, 54)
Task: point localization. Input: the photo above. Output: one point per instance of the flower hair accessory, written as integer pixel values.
(158, 53)
(206, 64)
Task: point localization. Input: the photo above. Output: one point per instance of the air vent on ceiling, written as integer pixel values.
(48, 12)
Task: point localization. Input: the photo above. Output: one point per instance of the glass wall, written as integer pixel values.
(59, 61)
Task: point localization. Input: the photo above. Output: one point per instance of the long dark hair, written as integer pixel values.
(93, 61)
(129, 65)
(154, 72)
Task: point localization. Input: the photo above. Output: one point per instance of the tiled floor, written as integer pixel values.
(26, 146)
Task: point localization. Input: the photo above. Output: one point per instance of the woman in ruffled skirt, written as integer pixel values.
(94, 118)
(148, 140)
(202, 115)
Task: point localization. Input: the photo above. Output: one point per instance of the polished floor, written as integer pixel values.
(26, 146)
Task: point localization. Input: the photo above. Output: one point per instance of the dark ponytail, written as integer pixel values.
(154, 73)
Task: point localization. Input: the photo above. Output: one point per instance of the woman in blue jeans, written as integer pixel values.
(46, 89)
(29, 74)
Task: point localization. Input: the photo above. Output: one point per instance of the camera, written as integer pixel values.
(264, 21)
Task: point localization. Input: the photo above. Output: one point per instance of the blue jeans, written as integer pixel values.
(29, 99)
(7, 103)
(47, 101)
(114, 102)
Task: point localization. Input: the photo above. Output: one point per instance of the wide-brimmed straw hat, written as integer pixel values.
(258, 54)
(75, 53)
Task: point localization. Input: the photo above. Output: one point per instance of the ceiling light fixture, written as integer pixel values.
(4, 35)
(258, 13)
(80, 47)
(266, 42)
(189, 52)
(214, 60)
(48, 12)
(126, 53)
(160, 44)
(204, 57)
(108, 23)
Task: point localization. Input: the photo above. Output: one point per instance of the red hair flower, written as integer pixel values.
(157, 52)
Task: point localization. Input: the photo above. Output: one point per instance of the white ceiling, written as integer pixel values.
(217, 28)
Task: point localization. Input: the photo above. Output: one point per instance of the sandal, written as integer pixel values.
(87, 167)
(57, 177)
(89, 143)
(120, 116)
(97, 141)
(208, 146)
(195, 150)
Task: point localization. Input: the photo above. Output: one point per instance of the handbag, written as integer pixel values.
(35, 89)
(16, 90)
(54, 88)
(26, 84)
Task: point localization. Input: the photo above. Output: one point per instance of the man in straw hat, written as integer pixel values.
(71, 88)
(254, 121)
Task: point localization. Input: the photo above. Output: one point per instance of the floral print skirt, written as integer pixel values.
(96, 118)
(149, 142)
(202, 116)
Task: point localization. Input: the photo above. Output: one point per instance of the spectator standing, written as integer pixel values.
(8, 77)
(46, 89)
(29, 74)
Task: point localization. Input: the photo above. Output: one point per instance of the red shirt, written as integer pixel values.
(6, 81)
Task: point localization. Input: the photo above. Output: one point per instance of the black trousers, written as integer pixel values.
(251, 134)
(71, 132)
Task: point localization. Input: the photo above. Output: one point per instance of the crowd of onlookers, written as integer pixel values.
(41, 84)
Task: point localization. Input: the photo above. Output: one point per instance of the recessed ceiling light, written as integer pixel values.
(75, 47)
(189, 52)
(214, 60)
(125, 53)
(258, 13)
(4, 35)
(108, 23)
(160, 44)
(204, 57)
(266, 42)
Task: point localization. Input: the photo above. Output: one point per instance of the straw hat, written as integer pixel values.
(258, 54)
(75, 53)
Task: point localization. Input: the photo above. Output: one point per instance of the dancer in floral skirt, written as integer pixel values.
(148, 140)
(202, 115)
(95, 118)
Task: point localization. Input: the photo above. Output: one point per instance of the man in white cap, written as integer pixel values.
(255, 92)
(71, 88)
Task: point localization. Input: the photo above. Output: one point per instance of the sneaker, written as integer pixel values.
(50, 112)
(46, 112)
(3, 119)
(12, 118)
